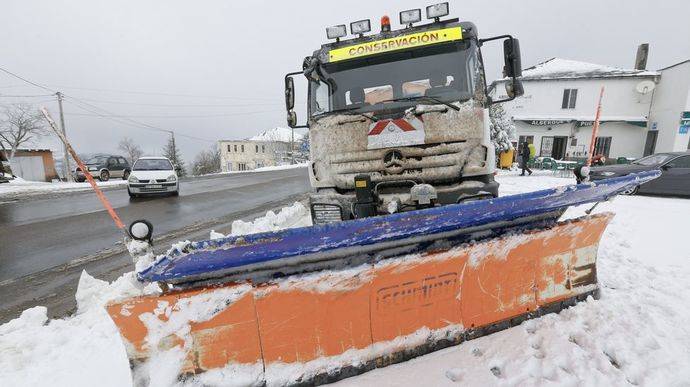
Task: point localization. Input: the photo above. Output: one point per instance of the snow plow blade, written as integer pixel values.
(352, 306)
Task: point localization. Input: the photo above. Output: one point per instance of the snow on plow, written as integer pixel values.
(316, 304)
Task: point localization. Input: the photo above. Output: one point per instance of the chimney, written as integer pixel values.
(641, 58)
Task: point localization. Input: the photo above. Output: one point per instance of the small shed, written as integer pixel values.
(31, 164)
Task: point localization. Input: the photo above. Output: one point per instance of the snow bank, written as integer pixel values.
(20, 186)
(296, 215)
(564, 68)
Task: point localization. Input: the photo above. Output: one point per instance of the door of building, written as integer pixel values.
(650, 143)
(560, 143)
(29, 168)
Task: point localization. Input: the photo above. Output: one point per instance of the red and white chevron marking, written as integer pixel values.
(395, 133)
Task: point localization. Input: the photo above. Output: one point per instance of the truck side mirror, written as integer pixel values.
(511, 57)
(289, 93)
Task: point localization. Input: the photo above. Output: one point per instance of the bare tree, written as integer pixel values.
(20, 124)
(207, 161)
(131, 149)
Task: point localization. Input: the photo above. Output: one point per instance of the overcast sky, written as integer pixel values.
(213, 69)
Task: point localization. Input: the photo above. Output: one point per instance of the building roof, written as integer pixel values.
(674, 65)
(276, 134)
(558, 68)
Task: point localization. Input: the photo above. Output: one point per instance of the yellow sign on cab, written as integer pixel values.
(396, 43)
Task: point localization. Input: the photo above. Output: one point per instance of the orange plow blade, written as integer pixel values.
(323, 326)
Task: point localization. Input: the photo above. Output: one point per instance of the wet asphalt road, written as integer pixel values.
(42, 233)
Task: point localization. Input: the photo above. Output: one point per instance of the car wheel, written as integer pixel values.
(631, 191)
(125, 175)
(104, 176)
(131, 195)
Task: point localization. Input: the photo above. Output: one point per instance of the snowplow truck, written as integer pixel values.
(399, 120)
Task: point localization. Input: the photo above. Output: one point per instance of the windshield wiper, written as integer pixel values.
(348, 110)
(422, 97)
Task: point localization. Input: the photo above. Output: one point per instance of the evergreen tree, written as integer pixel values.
(172, 152)
(502, 129)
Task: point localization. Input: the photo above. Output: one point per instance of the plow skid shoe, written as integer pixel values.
(318, 327)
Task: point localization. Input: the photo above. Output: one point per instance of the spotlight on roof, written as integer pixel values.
(410, 16)
(336, 32)
(360, 27)
(437, 11)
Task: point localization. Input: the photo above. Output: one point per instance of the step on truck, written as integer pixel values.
(399, 120)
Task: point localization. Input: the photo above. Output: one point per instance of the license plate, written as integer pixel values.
(154, 186)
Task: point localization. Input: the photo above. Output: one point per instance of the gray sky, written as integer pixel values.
(229, 57)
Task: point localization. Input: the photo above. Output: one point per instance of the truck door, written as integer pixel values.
(676, 176)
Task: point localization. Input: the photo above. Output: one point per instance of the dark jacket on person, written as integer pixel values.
(525, 152)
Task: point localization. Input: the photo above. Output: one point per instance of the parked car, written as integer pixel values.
(104, 167)
(674, 179)
(153, 175)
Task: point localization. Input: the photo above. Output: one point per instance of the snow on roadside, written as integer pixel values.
(637, 333)
(262, 169)
(19, 186)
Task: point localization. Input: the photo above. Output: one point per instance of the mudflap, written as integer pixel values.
(320, 327)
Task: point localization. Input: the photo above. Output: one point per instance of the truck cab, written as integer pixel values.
(399, 120)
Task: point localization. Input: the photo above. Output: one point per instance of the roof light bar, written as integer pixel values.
(336, 32)
(437, 10)
(410, 16)
(360, 26)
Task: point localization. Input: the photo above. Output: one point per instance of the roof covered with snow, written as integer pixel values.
(276, 134)
(558, 68)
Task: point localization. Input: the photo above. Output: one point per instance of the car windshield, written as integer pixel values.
(446, 72)
(98, 160)
(152, 165)
(653, 159)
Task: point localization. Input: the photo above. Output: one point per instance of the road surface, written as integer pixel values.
(46, 242)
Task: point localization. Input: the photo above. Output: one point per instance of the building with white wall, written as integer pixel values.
(670, 113)
(267, 149)
(556, 112)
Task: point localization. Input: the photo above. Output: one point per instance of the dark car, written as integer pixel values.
(674, 179)
(104, 167)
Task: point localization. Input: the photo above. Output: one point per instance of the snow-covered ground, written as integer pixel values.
(262, 169)
(19, 186)
(637, 333)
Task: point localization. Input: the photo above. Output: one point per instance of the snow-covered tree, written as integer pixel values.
(502, 129)
(302, 151)
(172, 152)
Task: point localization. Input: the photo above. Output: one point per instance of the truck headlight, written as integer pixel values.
(133, 179)
(172, 178)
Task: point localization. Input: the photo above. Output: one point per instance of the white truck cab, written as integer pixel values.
(399, 120)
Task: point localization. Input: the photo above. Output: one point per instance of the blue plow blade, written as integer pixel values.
(219, 258)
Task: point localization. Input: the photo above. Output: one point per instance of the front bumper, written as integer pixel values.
(325, 204)
(152, 188)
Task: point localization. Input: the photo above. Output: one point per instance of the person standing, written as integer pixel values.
(524, 152)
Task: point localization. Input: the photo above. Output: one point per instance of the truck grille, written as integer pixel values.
(422, 163)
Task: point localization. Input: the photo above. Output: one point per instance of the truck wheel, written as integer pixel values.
(104, 176)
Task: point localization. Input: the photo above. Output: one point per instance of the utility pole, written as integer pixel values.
(65, 165)
(174, 148)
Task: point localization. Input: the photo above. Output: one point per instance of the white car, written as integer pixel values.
(153, 175)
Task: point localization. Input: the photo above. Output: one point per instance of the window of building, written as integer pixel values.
(235, 147)
(242, 148)
(263, 148)
(241, 166)
(602, 146)
(569, 99)
(256, 148)
(229, 148)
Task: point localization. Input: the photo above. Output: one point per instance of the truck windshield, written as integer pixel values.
(447, 72)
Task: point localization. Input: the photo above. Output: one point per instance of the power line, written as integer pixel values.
(26, 80)
(161, 94)
(182, 116)
(26, 96)
(179, 105)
